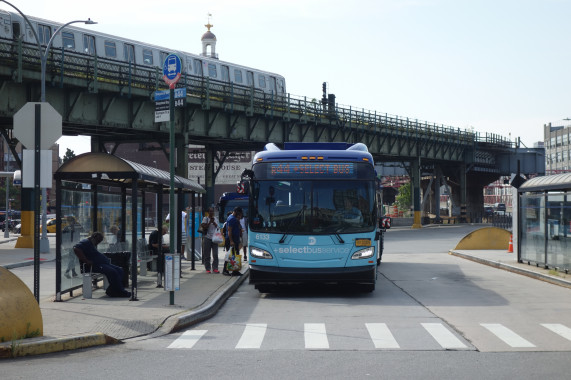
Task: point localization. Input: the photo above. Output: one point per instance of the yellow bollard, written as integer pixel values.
(20, 314)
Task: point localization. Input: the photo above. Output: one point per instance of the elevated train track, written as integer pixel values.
(112, 102)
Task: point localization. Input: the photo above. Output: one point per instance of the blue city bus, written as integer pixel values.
(315, 216)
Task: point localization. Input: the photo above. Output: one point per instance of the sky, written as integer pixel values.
(494, 66)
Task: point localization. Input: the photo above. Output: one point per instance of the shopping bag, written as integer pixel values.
(217, 238)
(234, 261)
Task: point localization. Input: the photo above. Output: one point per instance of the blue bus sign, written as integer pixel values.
(172, 69)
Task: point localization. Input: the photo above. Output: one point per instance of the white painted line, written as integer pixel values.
(507, 335)
(443, 336)
(381, 335)
(315, 336)
(559, 329)
(188, 339)
(252, 336)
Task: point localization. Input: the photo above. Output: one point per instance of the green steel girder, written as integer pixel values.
(112, 101)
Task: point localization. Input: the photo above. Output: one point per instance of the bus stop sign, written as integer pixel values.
(172, 68)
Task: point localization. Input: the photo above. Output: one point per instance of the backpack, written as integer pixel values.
(226, 239)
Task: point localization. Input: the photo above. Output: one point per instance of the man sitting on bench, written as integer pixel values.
(102, 264)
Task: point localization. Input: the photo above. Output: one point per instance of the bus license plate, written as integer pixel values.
(362, 242)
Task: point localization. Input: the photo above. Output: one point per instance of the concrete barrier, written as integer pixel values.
(20, 315)
(485, 238)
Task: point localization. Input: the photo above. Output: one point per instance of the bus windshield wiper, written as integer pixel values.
(339, 238)
(289, 224)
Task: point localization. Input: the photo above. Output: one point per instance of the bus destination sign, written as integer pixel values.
(312, 169)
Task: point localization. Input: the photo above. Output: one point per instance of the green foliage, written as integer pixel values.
(404, 197)
(69, 154)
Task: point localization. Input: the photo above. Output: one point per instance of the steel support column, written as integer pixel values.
(415, 184)
(209, 176)
(463, 193)
(438, 173)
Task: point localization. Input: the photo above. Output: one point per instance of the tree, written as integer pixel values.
(404, 197)
(69, 154)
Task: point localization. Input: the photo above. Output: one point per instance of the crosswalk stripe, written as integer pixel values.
(252, 336)
(381, 335)
(443, 336)
(188, 339)
(507, 335)
(559, 329)
(315, 336)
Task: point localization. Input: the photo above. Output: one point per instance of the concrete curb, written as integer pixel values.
(45, 345)
(510, 268)
(209, 308)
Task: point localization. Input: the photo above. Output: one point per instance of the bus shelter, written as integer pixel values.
(105, 193)
(545, 222)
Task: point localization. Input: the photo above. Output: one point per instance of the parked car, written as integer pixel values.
(488, 211)
(51, 224)
(500, 208)
(11, 224)
(18, 228)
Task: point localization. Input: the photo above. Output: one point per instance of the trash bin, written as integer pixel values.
(121, 259)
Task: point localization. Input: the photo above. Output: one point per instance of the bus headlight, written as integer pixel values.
(364, 253)
(260, 253)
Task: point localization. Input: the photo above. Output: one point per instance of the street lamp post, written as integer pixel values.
(44, 243)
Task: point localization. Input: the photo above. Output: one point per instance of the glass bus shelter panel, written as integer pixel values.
(558, 230)
(533, 228)
(109, 221)
(77, 205)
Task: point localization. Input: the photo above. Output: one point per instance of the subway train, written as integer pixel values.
(105, 46)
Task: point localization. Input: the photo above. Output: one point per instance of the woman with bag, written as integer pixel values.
(233, 233)
(210, 248)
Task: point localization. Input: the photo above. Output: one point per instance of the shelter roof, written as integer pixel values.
(104, 167)
(546, 183)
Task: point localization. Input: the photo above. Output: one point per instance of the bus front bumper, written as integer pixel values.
(260, 274)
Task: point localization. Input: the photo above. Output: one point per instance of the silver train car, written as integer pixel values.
(105, 46)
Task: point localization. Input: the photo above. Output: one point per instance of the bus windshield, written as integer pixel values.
(312, 206)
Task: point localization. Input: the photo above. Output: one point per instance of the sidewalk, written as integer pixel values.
(77, 322)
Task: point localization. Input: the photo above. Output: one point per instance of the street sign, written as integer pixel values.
(25, 125)
(179, 93)
(162, 103)
(172, 68)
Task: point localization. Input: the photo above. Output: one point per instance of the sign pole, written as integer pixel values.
(38, 123)
(172, 68)
(173, 212)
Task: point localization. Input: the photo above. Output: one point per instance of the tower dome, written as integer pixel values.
(209, 40)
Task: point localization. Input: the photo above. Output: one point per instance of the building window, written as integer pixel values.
(552, 144)
(559, 138)
(566, 139)
(559, 156)
(68, 40)
(110, 49)
(147, 57)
